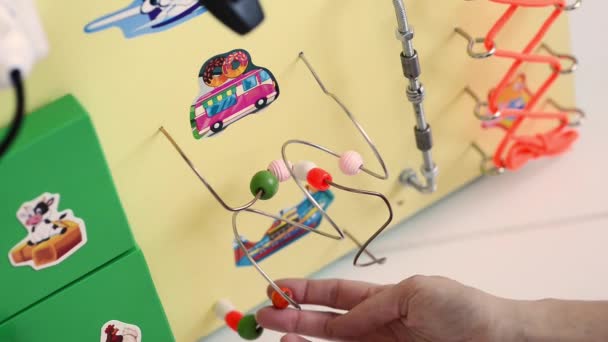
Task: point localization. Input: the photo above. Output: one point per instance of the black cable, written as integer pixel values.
(17, 122)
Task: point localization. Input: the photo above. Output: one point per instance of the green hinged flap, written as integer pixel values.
(60, 215)
(121, 294)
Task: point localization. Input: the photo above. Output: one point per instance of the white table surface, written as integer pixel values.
(541, 232)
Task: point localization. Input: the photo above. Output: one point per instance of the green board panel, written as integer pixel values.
(57, 153)
(121, 291)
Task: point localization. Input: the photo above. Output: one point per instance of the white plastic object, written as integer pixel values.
(22, 39)
(222, 308)
(301, 169)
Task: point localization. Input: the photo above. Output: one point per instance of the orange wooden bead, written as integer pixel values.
(278, 301)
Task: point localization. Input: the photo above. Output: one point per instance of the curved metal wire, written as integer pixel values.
(573, 6)
(341, 233)
(471, 46)
(573, 60)
(486, 161)
(361, 130)
(302, 188)
(353, 120)
(204, 181)
(578, 114)
(567, 8)
(363, 247)
(375, 260)
(479, 104)
(271, 282)
(239, 241)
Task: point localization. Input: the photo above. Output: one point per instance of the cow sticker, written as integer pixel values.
(52, 235)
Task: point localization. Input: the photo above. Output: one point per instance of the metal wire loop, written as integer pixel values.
(471, 46)
(203, 180)
(577, 115)
(571, 58)
(576, 5)
(340, 233)
(303, 188)
(271, 282)
(239, 241)
(479, 105)
(358, 126)
(375, 260)
(355, 122)
(486, 165)
(363, 247)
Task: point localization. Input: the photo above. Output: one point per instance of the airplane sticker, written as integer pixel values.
(52, 235)
(148, 16)
(281, 234)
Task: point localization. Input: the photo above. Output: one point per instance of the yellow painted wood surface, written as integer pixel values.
(133, 86)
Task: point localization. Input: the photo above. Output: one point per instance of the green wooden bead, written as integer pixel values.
(248, 328)
(266, 182)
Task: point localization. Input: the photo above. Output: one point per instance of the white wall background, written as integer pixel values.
(541, 232)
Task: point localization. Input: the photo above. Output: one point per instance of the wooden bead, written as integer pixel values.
(249, 329)
(232, 319)
(222, 308)
(266, 182)
(280, 170)
(301, 169)
(351, 163)
(319, 179)
(278, 301)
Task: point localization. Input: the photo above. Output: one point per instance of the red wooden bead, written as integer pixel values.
(319, 179)
(232, 319)
(278, 301)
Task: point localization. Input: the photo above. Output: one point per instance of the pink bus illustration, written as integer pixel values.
(237, 88)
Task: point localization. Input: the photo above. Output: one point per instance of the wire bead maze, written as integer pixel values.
(265, 184)
(515, 150)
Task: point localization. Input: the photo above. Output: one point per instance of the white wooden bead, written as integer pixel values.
(222, 308)
(301, 169)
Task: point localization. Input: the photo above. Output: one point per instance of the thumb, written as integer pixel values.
(374, 312)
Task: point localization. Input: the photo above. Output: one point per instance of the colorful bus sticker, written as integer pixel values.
(515, 96)
(148, 16)
(231, 87)
(281, 234)
(52, 235)
(117, 331)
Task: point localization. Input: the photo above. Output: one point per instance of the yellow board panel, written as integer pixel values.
(133, 86)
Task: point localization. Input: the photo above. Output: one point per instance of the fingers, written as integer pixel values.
(293, 338)
(375, 312)
(334, 293)
(309, 323)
